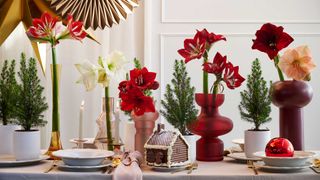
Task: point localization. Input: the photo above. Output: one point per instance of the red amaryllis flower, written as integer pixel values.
(76, 29)
(210, 37)
(232, 77)
(43, 28)
(123, 87)
(193, 48)
(143, 79)
(137, 102)
(217, 66)
(271, 39)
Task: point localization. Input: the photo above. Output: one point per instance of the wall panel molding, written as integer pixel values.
(172, 20)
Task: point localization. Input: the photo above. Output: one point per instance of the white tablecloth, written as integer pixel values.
(223, 170)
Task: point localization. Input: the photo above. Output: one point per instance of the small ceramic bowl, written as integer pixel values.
(240, 142)
(83, 157)
(299, 159)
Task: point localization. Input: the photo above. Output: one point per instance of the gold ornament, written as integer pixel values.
(95, 13)
(12, 12)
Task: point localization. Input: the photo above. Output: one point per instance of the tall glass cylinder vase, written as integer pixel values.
(55, 142)
(101, 140)
(291, 97)
(144, 125)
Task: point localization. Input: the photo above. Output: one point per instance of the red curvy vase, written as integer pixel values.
(144, 125)
(291, 97)
(209, 125)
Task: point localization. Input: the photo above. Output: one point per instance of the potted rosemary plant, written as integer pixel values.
(255, 108)
(178, 106)
(8, 90)
(29, 112)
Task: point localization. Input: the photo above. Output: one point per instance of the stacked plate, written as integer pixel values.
(83, 159)
(10, 161)
(297, 162)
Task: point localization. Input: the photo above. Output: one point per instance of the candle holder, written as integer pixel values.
(80, 143)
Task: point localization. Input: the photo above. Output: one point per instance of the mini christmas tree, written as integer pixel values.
(8, 91)
(178, 106)
(31, 104)
(255, 100)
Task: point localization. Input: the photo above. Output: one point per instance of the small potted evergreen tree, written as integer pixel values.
(178, 104)
(8, 90)
(255, 108)
(29, 111)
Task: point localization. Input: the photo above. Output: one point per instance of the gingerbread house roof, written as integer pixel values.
(162, 138)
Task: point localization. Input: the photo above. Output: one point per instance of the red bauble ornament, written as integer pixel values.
(279, 147)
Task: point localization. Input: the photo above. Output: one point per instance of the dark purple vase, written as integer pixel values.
(291, 97)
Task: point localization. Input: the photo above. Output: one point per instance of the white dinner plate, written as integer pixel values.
(10, 161)
(281, 168)
(63, 166)
(242, 157)
(299, 158)
(83, 157)
(166, 169)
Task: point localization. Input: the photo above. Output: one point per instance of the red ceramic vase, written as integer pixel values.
(209, 125)
(291, 97)
(144, 125)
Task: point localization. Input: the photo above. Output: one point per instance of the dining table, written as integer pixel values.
(228, 169)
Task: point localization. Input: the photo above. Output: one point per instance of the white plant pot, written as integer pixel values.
(26, 145)
(129, 134)
(191, 140)
(255, 141)
(6, 138)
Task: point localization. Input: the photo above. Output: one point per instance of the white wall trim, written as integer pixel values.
(165, 20)
(147, 33)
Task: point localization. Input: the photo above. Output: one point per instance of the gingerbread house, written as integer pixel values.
(166, 149)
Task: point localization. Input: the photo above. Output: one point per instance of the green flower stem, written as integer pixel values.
(216, 86)
(108, 119)
(205, 75)
(55, 93)
(276, 61)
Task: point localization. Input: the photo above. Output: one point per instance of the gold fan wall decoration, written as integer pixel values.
(95, 13)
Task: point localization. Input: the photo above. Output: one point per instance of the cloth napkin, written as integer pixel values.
(129, 169)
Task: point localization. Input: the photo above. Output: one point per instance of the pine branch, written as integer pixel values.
(178, 104)
(31, 104)
(255, 100)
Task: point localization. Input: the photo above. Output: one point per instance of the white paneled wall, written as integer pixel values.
(169, 22)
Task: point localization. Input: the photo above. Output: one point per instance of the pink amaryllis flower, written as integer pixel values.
(271, 39)
(297, 63)
(232, 77)
(193, 48)
(217, 66)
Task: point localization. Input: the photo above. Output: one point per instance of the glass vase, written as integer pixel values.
(101, 140)
(210, 125)
(55, 142)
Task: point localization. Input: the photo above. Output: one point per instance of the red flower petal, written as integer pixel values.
(217, 66)
(232, 77)
(271, 39)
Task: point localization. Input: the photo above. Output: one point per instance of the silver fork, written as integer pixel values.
(53, 165)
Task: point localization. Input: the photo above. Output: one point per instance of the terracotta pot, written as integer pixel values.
(209, 125)
(291, 97)
(144, 125)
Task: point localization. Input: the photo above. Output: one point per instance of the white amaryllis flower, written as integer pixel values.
(89, 75)
(115, 65)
